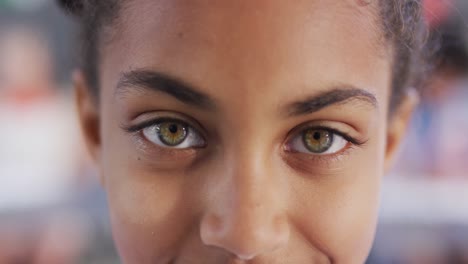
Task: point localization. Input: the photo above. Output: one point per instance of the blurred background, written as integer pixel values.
(52, 209)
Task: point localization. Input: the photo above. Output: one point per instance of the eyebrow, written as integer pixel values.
(331, 97)
(160, 82)
(188, 94)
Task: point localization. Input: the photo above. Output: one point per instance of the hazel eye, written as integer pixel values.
(173, 134)
(318, 141)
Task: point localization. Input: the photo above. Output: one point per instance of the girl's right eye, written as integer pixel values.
(173, 134)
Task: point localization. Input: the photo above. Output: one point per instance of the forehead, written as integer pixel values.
(251, 43)
(217, 21)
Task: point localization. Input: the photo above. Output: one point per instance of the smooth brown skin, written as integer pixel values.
(244, 197)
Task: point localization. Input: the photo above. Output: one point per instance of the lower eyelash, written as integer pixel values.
(303, 161)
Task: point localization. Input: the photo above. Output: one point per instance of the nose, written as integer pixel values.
(246, 216)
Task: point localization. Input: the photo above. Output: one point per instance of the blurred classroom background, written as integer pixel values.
(52, 209)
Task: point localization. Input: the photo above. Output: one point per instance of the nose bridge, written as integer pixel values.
(254, 186)
(249, 217)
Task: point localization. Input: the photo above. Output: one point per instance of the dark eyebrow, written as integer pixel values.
(328, 98)
(160, 82)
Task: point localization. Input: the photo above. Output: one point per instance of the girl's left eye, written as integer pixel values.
(318, 141)
(173, 134)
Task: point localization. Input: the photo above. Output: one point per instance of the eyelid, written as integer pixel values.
(164, 116)
(303, 127)
(311, 163)
(145, 143)
(344, 135)
(152, 122)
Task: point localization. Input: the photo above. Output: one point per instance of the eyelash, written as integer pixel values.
(139, 127)
(156, 133)
(334, 131)
(352, 142)
(298, 133)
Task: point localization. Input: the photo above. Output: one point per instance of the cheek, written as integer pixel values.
(149, 210)
(338, 214)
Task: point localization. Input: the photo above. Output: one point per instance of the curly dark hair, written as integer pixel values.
(401, 22)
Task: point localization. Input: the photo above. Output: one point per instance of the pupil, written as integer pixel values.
(173, 128)
(317, 136)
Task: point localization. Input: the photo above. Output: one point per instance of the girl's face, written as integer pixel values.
(243, 131)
